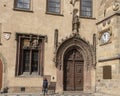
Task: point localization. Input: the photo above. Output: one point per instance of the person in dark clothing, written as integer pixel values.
(45, 86)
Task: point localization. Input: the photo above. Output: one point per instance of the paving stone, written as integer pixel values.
(65, 94)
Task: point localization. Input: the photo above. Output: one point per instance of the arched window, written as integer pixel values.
(86, 8)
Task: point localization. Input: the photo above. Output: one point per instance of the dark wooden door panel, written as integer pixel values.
(70, 75)
(73, 71)
(69, 85)
(78, 77)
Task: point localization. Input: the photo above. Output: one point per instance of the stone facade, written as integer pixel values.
(63, 32)
(108, 54)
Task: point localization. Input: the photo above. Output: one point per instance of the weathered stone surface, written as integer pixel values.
(37, 21)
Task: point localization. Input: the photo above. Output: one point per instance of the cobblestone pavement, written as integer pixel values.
(64, 94)
(40, 94)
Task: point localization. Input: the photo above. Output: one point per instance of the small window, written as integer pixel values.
(23, 4)
(107, 74)
(86, 8)
(53, 6)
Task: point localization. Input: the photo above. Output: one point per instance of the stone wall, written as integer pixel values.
(39, 22)
(108, 54)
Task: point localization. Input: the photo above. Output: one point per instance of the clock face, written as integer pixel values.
(105, 37)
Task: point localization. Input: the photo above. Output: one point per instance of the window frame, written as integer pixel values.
(19, 55)
(86, 6)
(23, 9)
(51, 12)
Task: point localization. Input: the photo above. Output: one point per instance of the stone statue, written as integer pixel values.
(75, 22)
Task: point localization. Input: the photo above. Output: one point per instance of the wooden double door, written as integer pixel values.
(73, 71)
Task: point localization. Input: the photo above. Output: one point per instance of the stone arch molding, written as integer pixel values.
(75, 41)
(4, 76)
(3, 60)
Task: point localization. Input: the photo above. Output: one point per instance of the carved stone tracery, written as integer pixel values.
(75, 41)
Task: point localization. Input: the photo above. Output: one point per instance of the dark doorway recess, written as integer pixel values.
(73, 71)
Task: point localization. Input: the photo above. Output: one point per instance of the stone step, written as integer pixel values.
(76, 93)
(103, 94)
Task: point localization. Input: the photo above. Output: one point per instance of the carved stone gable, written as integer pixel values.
(75, 41)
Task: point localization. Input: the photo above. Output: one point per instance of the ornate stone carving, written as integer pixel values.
(73, 2)
(35, 43)
(7, 35)
(56, 38)
(116, 5)
(75, 42)
(75, 22)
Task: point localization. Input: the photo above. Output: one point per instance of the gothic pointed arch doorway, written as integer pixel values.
(73, 71)
(75, 63)
(1, 70)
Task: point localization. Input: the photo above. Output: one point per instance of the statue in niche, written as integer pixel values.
(75, 22)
